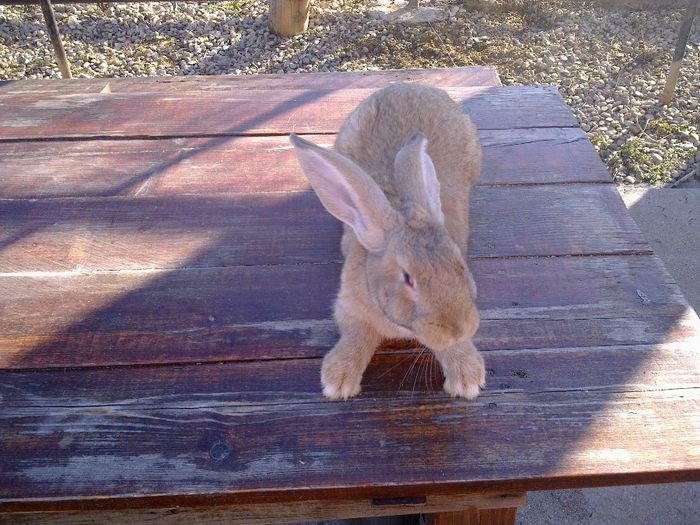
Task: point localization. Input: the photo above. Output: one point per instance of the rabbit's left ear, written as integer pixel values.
(415, 173)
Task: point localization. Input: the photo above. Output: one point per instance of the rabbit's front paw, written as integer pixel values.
(465, 374)
(340, 377)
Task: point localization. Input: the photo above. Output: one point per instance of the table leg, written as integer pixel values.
(475, 516)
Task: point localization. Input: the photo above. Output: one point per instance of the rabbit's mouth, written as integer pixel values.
(405, 331)
(439, 337)
(402, 330)
(437, 347)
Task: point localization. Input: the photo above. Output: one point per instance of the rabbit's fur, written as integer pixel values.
(400, 178)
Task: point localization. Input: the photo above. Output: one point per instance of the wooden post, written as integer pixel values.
(289, 17)
(675, 68)
(52, 27)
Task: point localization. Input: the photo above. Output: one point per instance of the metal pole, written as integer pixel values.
(675, 68)
(50, 19)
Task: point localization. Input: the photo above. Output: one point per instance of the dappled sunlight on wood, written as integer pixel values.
(664, 377)
(179, 166)
(61, 306)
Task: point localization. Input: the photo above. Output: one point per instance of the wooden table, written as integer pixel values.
(166, 280)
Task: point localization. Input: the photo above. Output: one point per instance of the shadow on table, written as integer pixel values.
(248, 278)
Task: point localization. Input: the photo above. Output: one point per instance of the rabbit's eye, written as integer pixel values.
(407, 278)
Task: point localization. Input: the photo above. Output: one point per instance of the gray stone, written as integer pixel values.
(658, 504)
(592, 71)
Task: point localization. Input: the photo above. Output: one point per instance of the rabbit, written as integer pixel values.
(400, 177)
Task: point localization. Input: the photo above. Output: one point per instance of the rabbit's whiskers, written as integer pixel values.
(419, 372)
(394, 367)
(410, 368)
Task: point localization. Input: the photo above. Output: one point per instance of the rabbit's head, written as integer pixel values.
(415, 272)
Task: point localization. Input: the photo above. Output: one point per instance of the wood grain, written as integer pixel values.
(248, 112)
(539, 156)
(224, 165)
(474, 516)
(185, 232)
(89, 234)
(439, 77)
(166, 284)
(237, 430)
(288, 17)
(551, 220)
(266, 513)
(390, 376)
(270, 312)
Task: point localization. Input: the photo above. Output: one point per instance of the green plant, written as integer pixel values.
(662, 127)
(599, 142)
(632, 155)
(233, 8)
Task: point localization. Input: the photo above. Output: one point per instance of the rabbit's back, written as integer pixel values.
(378, 128)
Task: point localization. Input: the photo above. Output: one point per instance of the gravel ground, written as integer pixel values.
(609, 63)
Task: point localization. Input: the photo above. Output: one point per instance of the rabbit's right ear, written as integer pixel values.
(415, 173)
(348, 193)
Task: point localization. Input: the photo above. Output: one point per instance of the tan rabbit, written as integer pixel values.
(400, 177)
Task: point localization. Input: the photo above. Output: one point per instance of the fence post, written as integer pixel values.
(289, 17)
(675, 68)
(50, 19)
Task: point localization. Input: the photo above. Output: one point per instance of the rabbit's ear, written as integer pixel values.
(348, 193)
(415, 173)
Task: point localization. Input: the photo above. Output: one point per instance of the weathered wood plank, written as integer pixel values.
(439, 77)
(391, 376)
(266, 513)
(151, 167)
(89, 234)
(222, 165)
(98, 233)
(241, 430)
(540, 155)
(534, 217)
(257, 313)
(249, 112)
